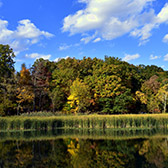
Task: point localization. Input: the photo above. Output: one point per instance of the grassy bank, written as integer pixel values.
(84, 122)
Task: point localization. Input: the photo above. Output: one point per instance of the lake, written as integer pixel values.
(84, 149)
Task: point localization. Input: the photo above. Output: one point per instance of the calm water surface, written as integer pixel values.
(80, 150)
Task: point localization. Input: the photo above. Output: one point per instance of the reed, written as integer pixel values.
(84, 122)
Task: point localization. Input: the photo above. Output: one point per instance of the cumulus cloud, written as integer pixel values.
(37, 56)
(166, 57)
(59, 59)
(129, 57)
(153, 57)
(112, 18)
(25, 35)
(26, 29)
(5, 34)
(165, 39)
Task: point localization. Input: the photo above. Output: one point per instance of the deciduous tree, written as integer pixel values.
(80, 96)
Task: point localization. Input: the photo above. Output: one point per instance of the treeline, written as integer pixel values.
(109, 86)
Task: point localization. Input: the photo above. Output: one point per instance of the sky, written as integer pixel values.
(135, 31)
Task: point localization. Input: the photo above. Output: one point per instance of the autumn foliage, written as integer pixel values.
(89, 85)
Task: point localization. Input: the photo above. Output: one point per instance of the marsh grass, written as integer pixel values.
(84, 122)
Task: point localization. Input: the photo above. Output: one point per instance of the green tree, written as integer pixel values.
(58, 98)
(6, 61)
(8, 96)
(146, 72)
(123, 102)
(7, 80)
(65, 73)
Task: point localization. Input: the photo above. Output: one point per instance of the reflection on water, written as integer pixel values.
(76, 149)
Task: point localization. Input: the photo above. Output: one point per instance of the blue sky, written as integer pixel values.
(134, 30)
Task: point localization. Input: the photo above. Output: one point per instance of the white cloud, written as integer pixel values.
(88, 38)
(145, 32)
(37, 56)
(166, 57)
(26, 29)
(25, 35)
(64, 47)
(152, 57)
(59, 59)
(163, 15)
(113, 18)
(5, 34)
(129, 57)
(165, 39)
(97, 40)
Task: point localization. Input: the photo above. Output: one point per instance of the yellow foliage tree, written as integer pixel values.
(25, 95)
(79, 96)
(141, 96)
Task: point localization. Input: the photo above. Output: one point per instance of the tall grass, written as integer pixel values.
(84, 122)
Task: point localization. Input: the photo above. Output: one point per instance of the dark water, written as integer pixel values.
(76, 149)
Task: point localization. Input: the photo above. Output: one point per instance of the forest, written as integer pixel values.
(86, 86)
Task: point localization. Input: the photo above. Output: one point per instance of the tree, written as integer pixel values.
(151, 86)
(25, 95)
(58, 98)
(105, 91)
(8, 96)
(66, 72)
(6, 61)
(80, 96)
(41, 76)
(7, 80)
(123, 102)
(85, 67)
(147, 95)
(162, 96)
(146, 72)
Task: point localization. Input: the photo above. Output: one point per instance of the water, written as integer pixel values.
(84, 149)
